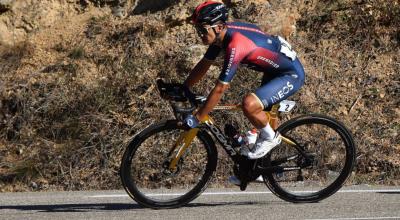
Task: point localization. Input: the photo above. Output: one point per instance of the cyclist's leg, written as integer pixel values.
(281, 87)
(274, 88)
(253, 107)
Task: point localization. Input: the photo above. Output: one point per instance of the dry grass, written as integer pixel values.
(68, 108)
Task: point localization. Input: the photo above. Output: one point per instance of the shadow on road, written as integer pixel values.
(73, 207)
(389, 192)
(114, 206)
(213, 204)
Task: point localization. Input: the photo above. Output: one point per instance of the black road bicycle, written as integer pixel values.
(167, 165)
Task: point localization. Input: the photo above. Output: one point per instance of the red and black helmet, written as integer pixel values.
(210, 12)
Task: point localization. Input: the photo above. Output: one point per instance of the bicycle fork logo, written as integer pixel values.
(221, 138)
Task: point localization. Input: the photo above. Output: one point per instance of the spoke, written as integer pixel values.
(151, 168)
(323, 148)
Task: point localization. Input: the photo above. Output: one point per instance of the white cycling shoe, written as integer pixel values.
(263, 146)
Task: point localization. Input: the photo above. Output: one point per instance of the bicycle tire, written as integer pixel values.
(131, 183)
(276, 186)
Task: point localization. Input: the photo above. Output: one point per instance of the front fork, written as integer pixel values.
(182, 144)
(180, 147)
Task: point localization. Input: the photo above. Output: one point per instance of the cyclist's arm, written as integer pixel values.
(198, 72)
(202, 67)
(212, 100)
(235, 53)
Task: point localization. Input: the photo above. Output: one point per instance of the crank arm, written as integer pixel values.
(284, 160)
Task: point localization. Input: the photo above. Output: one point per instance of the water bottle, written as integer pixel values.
(239, 140)
(249, 141)
(251, 137)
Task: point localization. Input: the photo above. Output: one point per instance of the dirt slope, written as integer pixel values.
(76, 88)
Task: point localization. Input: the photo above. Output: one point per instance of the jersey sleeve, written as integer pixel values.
(212, 52)
(237, 50)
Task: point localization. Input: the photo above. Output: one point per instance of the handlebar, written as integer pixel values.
(177, 92)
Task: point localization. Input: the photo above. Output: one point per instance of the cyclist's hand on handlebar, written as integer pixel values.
(189, 94)
(191, 121)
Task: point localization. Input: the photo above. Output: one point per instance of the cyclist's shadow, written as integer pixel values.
(90, 207)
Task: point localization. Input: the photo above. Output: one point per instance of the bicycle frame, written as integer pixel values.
(187, 137)
(301, 157)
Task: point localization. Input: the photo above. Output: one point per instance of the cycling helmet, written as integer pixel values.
(210, 12)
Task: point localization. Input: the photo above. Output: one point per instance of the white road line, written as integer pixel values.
(366, 218)
(251, 192)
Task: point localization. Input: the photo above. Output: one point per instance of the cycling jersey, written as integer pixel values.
(246, 44)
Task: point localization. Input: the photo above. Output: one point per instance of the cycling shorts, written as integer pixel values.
(277, 87)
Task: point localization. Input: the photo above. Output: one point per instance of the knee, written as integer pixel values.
(250, 105)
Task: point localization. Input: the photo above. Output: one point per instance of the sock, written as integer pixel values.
(267, 132)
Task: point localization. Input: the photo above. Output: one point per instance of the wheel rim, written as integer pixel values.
(328, 145)
(147, 171)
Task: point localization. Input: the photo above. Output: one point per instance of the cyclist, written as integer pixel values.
(245, 43)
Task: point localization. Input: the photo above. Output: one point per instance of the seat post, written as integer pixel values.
(273, 116)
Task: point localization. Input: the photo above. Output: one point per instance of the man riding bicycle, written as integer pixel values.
(245, 43)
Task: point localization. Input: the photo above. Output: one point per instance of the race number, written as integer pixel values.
(286, 49)
(286, 105)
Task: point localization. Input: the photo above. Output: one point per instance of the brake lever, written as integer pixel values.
(190, 96)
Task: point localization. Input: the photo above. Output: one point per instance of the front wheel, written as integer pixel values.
(331, 149)
(143, 168)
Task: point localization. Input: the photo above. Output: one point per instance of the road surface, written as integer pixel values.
(359, 203)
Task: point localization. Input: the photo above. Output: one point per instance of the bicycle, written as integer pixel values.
(316, 156)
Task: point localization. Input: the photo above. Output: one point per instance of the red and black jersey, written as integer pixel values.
(245, 43)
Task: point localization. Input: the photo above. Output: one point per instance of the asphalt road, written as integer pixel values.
(361, 202)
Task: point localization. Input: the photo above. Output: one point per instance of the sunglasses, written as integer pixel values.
(201, 30)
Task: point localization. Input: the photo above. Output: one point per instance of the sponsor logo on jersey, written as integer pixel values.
(270, 62)
(232, 56)
(281, 93)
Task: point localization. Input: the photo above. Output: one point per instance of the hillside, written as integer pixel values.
(77, 80)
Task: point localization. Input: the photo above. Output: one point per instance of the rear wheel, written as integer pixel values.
(332, 150)
(144, 171)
